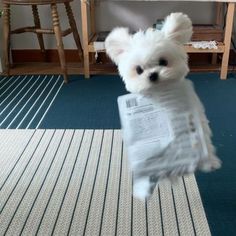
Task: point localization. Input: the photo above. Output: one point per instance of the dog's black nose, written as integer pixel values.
(153, 76)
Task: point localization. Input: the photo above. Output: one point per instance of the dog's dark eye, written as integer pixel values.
(163, 62)
(139, 70)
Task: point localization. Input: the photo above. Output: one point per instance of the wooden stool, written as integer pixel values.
(39, 31)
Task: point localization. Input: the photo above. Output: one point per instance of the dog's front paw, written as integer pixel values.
(141, 188)
(213, 163)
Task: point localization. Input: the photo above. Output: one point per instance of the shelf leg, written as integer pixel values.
(84, 14)
(227, 40)
(214, 59)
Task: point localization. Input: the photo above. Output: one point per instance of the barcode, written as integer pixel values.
(131, 103)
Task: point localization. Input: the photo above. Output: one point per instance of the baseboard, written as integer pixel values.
(51, 55)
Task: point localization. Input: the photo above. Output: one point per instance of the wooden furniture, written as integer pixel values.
(89, 35)
(56, 29)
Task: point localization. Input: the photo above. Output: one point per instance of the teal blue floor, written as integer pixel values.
(92, 104)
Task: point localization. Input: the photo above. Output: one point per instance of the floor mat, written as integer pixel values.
(76, 182)
(92, 104)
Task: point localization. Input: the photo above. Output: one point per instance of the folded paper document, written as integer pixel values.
(166, 135)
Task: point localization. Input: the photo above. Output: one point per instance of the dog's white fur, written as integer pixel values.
(146, 50)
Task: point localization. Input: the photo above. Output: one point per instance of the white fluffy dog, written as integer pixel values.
(148, 57)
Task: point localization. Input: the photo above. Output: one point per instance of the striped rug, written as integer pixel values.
(76, 182)
(25, 100)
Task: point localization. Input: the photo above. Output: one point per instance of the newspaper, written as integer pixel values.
(165, 132)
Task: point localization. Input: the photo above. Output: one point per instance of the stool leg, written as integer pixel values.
(60, 47)
(6, 37)
(38, 25)
(74, 28)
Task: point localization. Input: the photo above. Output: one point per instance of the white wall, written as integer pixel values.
(108, 15)
(143, 14)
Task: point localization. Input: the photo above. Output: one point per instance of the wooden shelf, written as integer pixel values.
(208, 33)
(201, 33)
(189, 48)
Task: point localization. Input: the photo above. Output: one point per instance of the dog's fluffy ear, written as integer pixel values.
(117, 42)
(178, 27)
